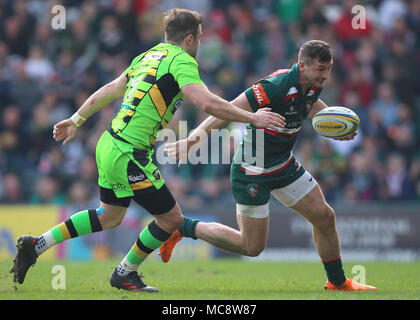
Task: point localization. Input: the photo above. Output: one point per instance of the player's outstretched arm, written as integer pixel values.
(178, 150)
(222, 109)
(67, 128)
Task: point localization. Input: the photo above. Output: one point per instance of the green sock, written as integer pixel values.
(187, 229)
(148, 241)
(79, 224)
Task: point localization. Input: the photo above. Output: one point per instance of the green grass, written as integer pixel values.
(221, 279)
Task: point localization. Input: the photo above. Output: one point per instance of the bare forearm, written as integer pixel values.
(316, 107)
(205, 128)
(98, 100)
(224, 110)
(103, 96)
(211, 122)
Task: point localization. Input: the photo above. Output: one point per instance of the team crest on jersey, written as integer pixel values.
(156, 174)
(252, 189)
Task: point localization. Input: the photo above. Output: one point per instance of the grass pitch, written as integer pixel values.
(222, 279)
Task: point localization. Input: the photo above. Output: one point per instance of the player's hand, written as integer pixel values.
(178, 150)
(348, 137)
(264, 118)
(66, 130)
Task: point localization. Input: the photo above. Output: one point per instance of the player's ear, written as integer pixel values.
(189, 40)
(301, 65)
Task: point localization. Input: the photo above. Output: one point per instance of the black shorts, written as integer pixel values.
(157, 202)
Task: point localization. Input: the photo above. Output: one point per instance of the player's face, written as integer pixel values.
(317, 72)
(193, 48)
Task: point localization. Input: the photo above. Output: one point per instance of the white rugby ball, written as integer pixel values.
(335, 122)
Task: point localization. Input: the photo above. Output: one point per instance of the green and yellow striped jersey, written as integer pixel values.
(153, 93)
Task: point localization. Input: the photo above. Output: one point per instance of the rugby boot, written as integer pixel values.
(130, 282)
(25, 258)
(168, 246)
(349, 285)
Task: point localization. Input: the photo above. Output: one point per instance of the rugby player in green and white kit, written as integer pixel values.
(293, 93)
(152, 87)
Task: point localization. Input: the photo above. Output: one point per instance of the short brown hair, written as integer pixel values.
(315, 49)
(179, 23)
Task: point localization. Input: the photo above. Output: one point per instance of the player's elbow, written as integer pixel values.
(206, 107)
(211, 104)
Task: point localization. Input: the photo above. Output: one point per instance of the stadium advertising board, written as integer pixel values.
(17, 220)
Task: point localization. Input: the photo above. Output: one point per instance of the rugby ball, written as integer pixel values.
(335, 122)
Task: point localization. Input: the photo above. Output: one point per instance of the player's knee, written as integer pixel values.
(254, 251)
(171, 220)
(177, 220)
(326, 220)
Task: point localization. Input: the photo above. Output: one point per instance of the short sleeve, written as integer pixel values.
(261, 94)
(184, 68)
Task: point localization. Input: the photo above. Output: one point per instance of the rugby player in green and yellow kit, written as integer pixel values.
(294, 94)
(152, 88)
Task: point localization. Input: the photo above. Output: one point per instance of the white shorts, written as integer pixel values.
(288, 195)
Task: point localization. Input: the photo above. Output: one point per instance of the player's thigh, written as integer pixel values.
(253, 223)
(305, 197)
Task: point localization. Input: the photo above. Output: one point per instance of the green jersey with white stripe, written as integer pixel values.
(153, 93)
(282, 93)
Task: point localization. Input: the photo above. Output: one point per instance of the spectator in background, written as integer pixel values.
(37, 66)
(344, 30)
(402, 133)
(386, 104)
(414, 174)
(273, 41)
(398, 182)
(359, 84)
(47, 192)
(12, 138)
(405, 76)
(19, 93)
(11, 190)
(389, 11)
(361, 181)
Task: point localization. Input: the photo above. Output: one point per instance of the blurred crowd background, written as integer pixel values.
(46, 74)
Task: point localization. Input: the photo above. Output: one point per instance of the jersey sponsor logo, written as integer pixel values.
(118, 186)
(252, 189)
(292, 111)
(260, 95)
(154, 56)
(133, 178)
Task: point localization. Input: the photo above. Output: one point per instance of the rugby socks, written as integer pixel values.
(187, 229)
(79, 224)
(148, 241)
(335, 272)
